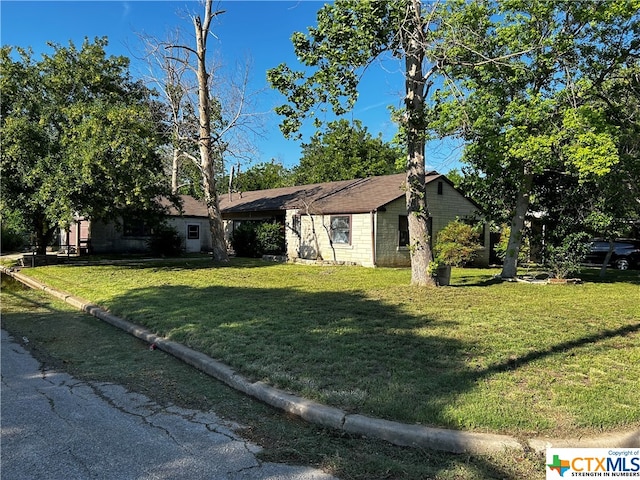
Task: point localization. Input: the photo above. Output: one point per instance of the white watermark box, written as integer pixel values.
(593, 463)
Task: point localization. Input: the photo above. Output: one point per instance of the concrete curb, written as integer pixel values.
(401, 434)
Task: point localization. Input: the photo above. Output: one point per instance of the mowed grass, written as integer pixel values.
(481, 355)
(65, 339)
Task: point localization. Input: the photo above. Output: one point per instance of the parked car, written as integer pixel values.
(626, 253)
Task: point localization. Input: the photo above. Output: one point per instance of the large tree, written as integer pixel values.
(208, 112)
(532, 127)
(350, 35)
(344, 151)
(79, 137)
(612, 208)
(209, 150)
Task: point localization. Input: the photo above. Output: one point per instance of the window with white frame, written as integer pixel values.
(340, 228)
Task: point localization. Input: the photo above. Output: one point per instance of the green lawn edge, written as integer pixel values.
(526, 360)
(65, 339)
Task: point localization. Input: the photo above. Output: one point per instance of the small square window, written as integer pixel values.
(193, 232)
(341, 229)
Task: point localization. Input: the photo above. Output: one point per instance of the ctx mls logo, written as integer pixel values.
(592, 462)
(561, 466)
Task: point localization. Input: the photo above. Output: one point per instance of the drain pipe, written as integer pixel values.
(373, 236)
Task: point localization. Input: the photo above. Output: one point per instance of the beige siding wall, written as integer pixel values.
(447, 207)
(292, 235)
(443, 208)
(389, 253)
(106, 238)
(303, 243)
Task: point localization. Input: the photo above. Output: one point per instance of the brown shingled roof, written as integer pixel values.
(191, 207)
(346, 196)
(361, 195)
(284, 198)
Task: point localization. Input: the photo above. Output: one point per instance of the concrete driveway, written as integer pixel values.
(57, 427)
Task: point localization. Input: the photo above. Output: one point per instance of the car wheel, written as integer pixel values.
(622, 264)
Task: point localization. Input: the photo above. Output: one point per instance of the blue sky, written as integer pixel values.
(255, 30)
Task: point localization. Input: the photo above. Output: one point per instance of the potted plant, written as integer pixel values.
(441, 271)
(456, 245)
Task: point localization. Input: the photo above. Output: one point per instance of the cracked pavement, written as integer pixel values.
(54, 426)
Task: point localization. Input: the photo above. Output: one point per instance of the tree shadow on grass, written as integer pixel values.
(168, 264)
(590, 275)
(339, 348)
(342, 349)
(18, 291)
(72, 339)
(474, 281)
(517, 362)
(345, 349)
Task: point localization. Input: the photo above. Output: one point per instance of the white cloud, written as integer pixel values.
(126, 9)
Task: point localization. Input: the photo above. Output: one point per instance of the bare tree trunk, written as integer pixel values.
(219, 244)
(510, 265)
(607, 258)
(175, 168)
(417, 209)
(313, 232)
(44, 234)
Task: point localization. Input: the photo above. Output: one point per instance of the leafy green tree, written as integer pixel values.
(245, 240)
(620, 100)
(527, 115)
(350, 35)
(612, 205)
(456, 177)
(270, 238)
(501, 247)
(566, 258)
(13, 233)
(79, 137)
(263, 176)
(343, 152)
(257, 238)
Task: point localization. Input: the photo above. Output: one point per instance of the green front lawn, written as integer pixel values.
(559, 360)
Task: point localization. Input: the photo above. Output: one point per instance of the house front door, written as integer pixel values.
(193, 238)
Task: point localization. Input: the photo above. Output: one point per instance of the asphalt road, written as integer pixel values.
(54, 426)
